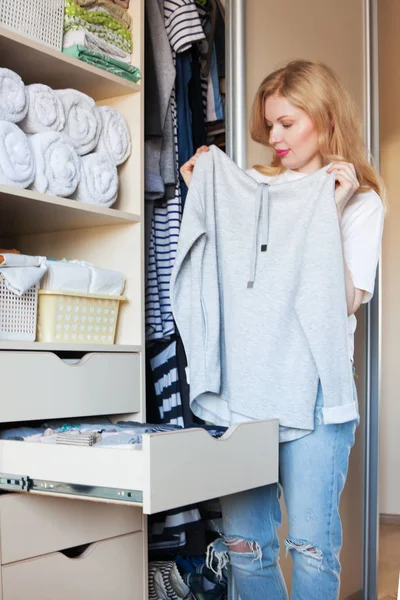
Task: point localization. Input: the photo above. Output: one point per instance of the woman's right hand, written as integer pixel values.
(187, 168)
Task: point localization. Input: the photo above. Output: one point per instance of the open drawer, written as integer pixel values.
(167, 470)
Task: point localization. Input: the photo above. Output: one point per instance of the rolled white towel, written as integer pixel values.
(45, 112)
(13, 97)
(57, 164)
(82, 120)
(114, 137)
(99, 180)
(17, 163)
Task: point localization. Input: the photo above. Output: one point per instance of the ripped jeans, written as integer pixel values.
(313, 472)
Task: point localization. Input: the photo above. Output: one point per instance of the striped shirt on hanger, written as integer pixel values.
(182, 23)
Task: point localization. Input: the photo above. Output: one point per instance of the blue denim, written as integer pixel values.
(313, 472)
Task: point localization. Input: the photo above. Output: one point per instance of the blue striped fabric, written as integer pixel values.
(183, 27)
(182, 23)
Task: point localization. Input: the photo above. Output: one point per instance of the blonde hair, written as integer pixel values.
(317, 90)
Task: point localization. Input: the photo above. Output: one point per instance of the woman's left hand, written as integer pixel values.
(346, 183)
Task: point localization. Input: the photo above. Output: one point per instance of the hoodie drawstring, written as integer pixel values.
(261, 208)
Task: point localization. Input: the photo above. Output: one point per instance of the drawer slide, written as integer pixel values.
(18, 483)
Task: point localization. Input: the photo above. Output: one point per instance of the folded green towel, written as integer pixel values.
(98, 22)
(104, 62)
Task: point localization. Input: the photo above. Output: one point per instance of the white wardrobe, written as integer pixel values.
(77, 526)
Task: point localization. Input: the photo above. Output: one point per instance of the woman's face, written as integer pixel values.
(293, 135)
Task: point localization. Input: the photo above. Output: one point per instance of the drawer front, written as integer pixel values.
(107, 569)
(40, 385)
(32, 525)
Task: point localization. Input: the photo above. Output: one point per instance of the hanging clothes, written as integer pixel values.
(183, 27)
(164, 367)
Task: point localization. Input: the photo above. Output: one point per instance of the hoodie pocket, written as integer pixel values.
(204, 319)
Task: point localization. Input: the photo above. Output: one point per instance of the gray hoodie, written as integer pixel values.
(258, 295)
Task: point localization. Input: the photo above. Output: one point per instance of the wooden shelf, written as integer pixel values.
(47, 347)
(37, 63)
(25, 212)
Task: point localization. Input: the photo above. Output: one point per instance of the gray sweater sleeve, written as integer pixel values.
(322, 310)
(196, 310)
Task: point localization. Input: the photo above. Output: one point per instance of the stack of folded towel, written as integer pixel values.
(64, 144)
(99, 32)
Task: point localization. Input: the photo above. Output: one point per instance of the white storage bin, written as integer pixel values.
(70, 317)
(18, 314)
(39, 19)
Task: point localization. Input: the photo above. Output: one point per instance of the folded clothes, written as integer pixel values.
(17, 163)
(122, 16)
(66, 276)
(90, 41)
(123, 3)
(99, 180)
(107, 63)
(4, 251)
(57, 164)
(114, 138)
(77, 438)
(22, 272)
(45, 110)
(99, 22)
(106, 282)
(103, 434)
(82, 120)
(13, 97)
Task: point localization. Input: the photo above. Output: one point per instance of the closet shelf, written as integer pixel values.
(25, 212)
(37, 63)
(54, 347)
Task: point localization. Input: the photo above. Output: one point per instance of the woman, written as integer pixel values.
(304, 113)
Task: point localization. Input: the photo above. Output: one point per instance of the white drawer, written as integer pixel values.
(107, 569)
(168, 470)
(40, 385)
(32, 525)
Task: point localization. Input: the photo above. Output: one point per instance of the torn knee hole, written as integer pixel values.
(304, 547)
(217, 552)
(243, 546)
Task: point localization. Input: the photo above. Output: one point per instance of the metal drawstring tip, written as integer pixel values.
(250, 284)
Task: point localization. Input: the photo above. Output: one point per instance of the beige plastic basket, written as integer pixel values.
(69, 317)
(39, 19)
(17, 314)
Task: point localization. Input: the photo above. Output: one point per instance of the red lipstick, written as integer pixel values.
(281, 153)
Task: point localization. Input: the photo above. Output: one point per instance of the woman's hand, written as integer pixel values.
(187, 168)
(347, 184)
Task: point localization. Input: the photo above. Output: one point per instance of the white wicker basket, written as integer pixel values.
(39, 19)
(18, 314)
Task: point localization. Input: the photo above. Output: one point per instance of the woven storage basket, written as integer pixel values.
(39, 19)
(68, 317)
(18, 314)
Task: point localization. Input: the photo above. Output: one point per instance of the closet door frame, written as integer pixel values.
(236, 131)
(373, 342)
